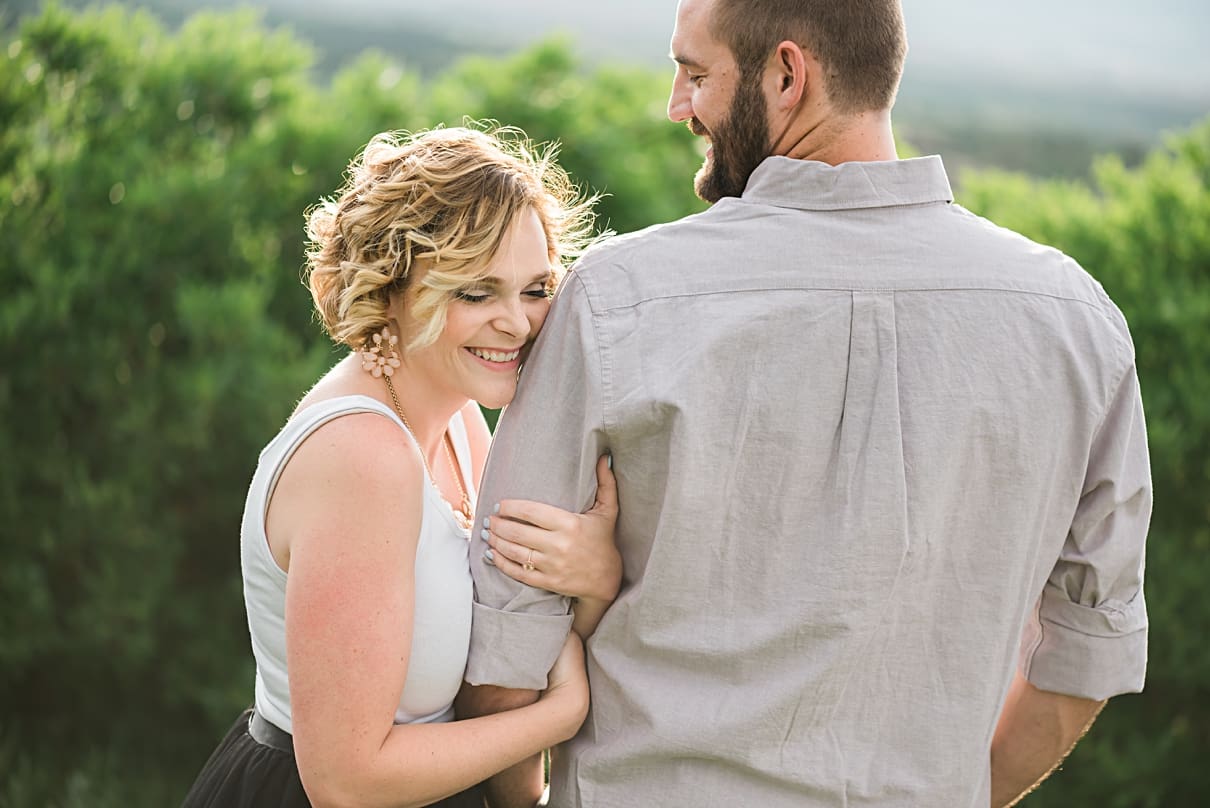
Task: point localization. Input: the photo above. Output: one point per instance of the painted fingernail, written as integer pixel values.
(489, 556)
(483, 534)
(487, 521)
(496, 508)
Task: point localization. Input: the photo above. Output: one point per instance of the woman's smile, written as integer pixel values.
(497, 359)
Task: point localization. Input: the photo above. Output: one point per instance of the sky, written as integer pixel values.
(1114, 45)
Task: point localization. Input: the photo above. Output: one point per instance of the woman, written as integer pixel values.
(435, 265)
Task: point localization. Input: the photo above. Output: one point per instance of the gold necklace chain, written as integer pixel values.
(462, 514)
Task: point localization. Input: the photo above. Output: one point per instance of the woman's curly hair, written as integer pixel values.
(442, 199)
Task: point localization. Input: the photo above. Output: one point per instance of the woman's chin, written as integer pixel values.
(497, 401)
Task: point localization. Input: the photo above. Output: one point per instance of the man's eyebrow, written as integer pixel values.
(681, 59)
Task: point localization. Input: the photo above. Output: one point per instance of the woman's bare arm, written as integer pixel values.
(355, 498)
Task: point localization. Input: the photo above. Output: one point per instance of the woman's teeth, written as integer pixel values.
(495, 356)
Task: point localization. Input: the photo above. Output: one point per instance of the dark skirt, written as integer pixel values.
(260, 772)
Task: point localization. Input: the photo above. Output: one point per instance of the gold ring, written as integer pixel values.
(528, 566)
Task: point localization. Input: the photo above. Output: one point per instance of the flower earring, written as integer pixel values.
(380, 358)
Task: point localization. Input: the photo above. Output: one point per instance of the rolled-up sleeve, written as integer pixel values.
(545, 448)
(1090, 636)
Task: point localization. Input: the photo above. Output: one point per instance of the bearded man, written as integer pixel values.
(882, 465)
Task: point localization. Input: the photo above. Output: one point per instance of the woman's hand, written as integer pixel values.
(572, 554)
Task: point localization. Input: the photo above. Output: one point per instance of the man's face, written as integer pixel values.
(718, 103)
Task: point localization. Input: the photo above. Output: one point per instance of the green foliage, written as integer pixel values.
(143, 362)
(1145, 235)
(153, 335)
(611, 122)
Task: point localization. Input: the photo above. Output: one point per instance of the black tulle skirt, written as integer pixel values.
(244, 772)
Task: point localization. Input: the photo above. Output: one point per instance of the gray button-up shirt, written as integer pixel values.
(873, 452)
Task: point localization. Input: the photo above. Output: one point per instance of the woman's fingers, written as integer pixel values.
(513, 551)
(538, 514)
(569, 553)
(607, 486)
(515, 570)
(517, 533)
(551, 518)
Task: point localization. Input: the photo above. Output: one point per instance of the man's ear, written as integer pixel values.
(792, 68)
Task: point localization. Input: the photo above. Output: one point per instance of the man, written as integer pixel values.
(882, 465)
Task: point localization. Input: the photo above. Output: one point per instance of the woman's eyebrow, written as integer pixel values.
(495, 283)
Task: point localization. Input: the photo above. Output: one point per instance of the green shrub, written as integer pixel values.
(147, 355)
(1145, 235)
(154, 334)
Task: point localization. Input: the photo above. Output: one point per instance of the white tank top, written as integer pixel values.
(442, 619)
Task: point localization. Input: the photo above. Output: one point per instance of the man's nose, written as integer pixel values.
(679, 106)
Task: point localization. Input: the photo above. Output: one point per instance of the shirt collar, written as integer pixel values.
(811, 185)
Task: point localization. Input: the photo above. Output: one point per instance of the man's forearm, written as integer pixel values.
(519, 786)
(1036, 731)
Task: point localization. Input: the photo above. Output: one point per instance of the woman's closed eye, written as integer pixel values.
(475, 296)
(472, 295)
(537, 289)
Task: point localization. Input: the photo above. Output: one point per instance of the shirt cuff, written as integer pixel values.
(512, 649)
(1084, 651)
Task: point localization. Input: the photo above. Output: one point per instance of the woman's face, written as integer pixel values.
(491, 323)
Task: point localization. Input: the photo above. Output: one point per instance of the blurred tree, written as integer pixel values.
(611, 122)
(1145, 234)
(153, 335)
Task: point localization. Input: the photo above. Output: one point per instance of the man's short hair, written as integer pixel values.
(861, 44)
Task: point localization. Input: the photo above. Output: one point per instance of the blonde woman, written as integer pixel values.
(434, 265)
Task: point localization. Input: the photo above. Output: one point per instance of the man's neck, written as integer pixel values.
(861, 137)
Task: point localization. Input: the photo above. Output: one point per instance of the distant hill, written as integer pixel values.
(338, 38)
(1121, 44)
(984, 81)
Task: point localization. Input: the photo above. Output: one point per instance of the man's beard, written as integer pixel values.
(740, 143)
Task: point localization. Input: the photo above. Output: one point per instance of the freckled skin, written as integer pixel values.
(509, 316)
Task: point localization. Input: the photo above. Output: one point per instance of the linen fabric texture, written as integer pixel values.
(873, 453)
